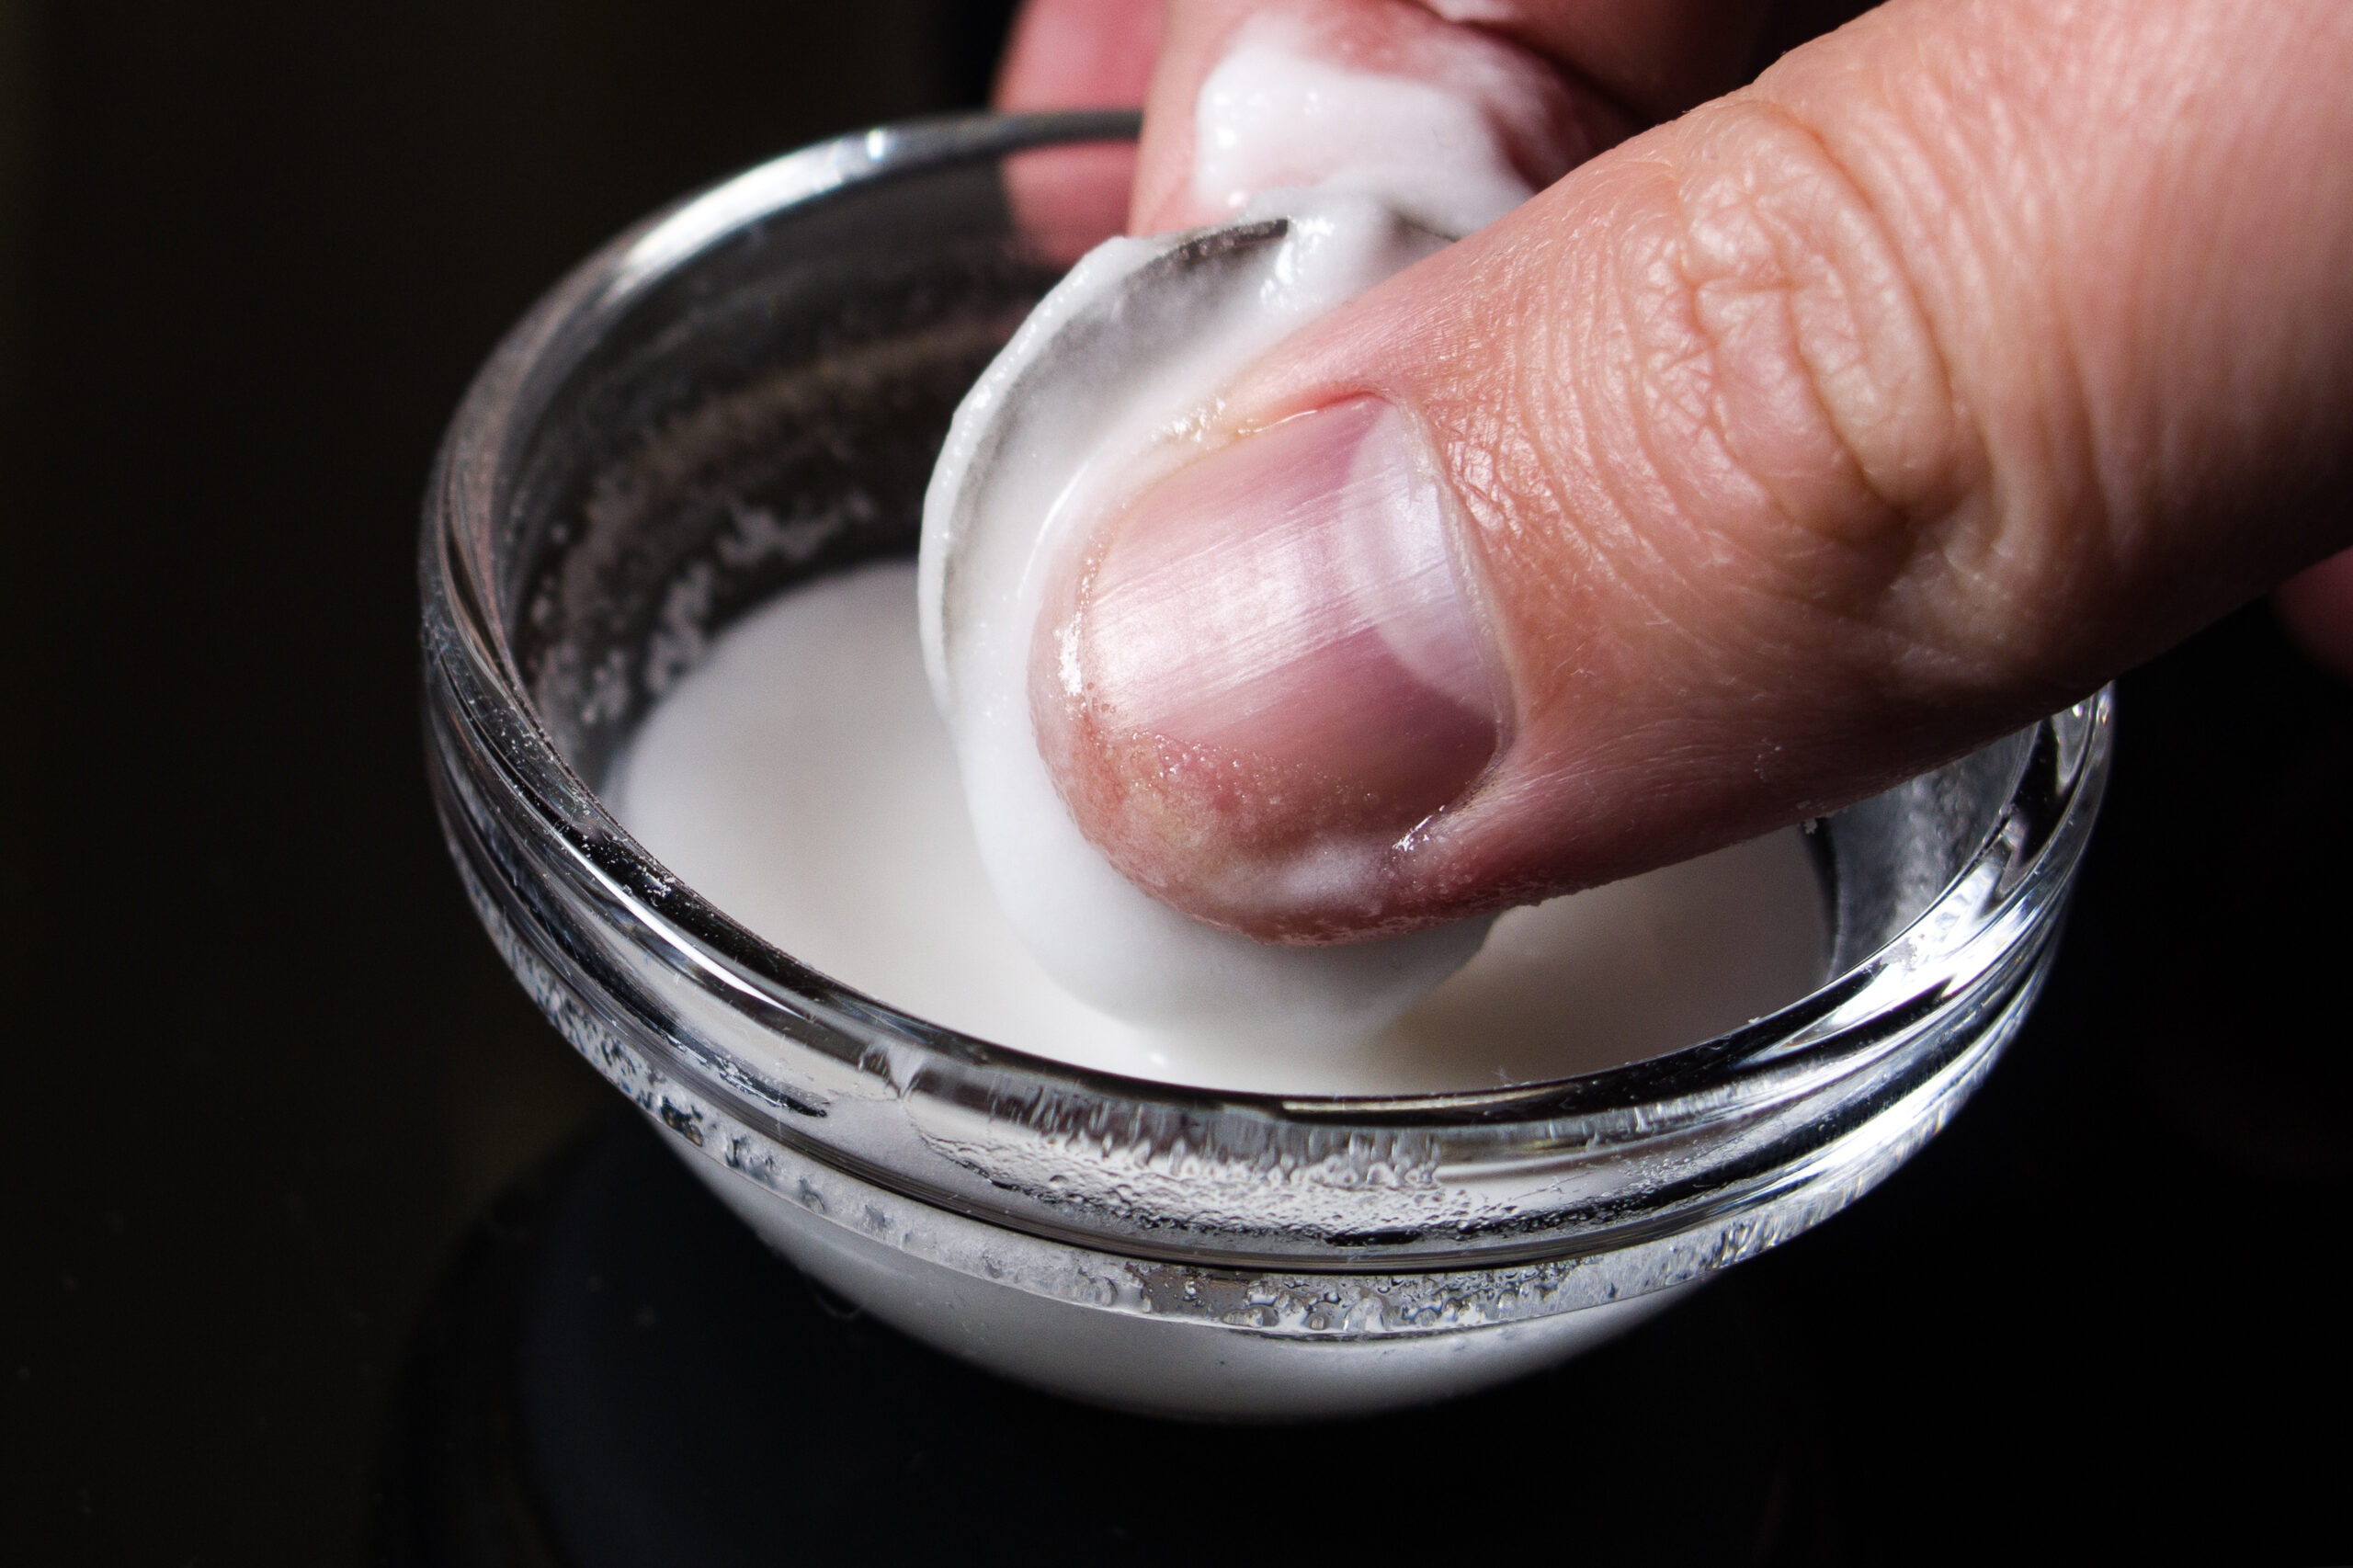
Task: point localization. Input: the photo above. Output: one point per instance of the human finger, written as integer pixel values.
(1977, 351)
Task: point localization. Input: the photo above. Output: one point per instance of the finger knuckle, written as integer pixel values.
(1789, 367)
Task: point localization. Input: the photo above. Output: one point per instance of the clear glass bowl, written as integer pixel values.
(745, 392)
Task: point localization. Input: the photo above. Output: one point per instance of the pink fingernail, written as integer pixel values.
(1276, 645)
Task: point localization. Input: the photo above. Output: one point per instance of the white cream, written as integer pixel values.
(1267, 119)
(800, 778)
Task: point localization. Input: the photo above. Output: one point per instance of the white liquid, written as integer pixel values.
(801, 781)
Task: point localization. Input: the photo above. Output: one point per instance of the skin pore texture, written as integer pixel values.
(1970, 354)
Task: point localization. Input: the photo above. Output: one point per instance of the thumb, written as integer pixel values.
(1976, 352)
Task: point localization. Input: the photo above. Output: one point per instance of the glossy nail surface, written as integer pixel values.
(1269, 669)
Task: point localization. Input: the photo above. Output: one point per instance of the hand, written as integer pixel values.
(1970, 355)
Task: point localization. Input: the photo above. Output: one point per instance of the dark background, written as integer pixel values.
(262, 1072)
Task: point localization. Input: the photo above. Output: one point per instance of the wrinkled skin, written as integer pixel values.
(1831, 425)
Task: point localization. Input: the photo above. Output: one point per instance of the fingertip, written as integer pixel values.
(1074, 55)
(2316, 607)
(1078, 54)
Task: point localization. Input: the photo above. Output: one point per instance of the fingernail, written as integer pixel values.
(1278, 644)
